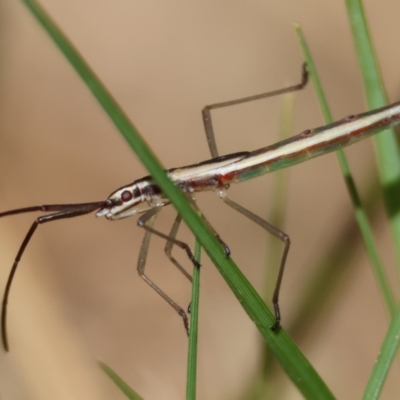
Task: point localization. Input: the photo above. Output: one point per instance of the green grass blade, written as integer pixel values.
(193, 336)
(290, 357)
(360, 213)
(388, 158)
(278, 201)
(387, 146)
(121, 384)
(262, 382)
(385, 358)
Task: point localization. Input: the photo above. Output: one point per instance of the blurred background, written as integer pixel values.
(77, 297)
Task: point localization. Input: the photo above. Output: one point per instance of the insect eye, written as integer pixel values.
(126, 195)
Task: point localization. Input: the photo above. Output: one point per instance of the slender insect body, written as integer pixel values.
(144, 197)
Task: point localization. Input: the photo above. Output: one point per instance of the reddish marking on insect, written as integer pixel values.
(306, 133)
(349, 118)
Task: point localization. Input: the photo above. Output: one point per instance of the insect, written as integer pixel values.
(143, 197)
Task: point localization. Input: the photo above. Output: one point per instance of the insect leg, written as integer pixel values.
(206, 112)
(142, 222)
(170, 244)
(278, 234)
(146, 221)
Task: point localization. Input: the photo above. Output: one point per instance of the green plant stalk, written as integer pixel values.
(194, 329)
(263, 384)
(334, 267)
(290, 357)
(119, 382)
(385, 358)
(360, 214)
(278, 203)
(386, 143)
(388, 159)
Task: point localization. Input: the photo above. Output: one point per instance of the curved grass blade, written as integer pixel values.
(279, 197)
(262, 382)
(385, 359)
(193, 334)
(359, 211)
(388, 158)
(121, 384)
(387, 145)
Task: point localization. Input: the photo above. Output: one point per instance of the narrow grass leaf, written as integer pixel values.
(359, 211)
(121, 384)
(194, 328)
(387, 146)
(386, 355)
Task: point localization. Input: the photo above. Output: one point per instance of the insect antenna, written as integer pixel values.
(60, 211)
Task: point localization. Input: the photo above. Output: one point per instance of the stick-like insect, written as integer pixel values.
(144, 197)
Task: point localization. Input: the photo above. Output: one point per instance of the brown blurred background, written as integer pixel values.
(77, 297)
